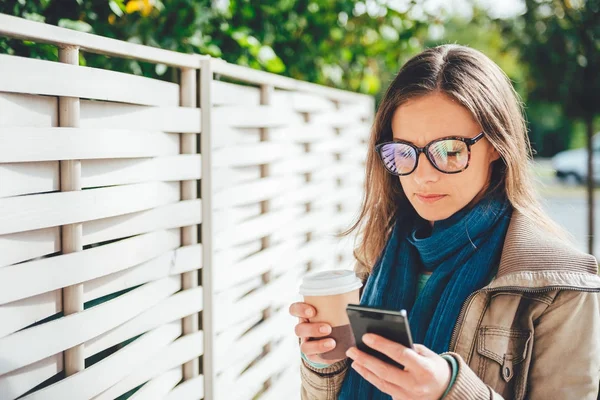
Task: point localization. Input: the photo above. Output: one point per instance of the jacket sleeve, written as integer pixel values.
(325, 384)
(565, 363)
(322, 384)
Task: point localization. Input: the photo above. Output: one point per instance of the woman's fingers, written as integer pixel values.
(381, 369)
(302, 310)
(312, 329)
(397, 352)
(316, 347)
(388, 387)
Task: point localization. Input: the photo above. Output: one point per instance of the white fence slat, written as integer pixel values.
(192, 389)
(257, 77)
(303, 102)
(159, 387)
(22, 246)
(228, 313)
(227, 378)
(253, 192)
(180, 351)
(260, 335)
(306, 133)
(254, 229)
(243, 155)
(248, 116)
(59, 79)
(95, 173)
(65, 270)
(174, 215)
(16, 383)
(338, 118)
(286, 386)
(49, 144)
(233, 333)
(18, 109)
(227, 177)
(39, 211)
(41, 341)
(233, 254)
(301, 165)
(339, 170)
(25, 178)
(224, 135)
(255, 265)
(252, 380)
(183, 259)
(100, 114)
(102, 375)
(170, 309)
(225, 93)
(358, 132)
(227, 219)
(19, 314)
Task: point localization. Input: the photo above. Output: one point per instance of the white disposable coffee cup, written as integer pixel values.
(329, 292)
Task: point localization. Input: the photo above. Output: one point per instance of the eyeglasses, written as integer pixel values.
(449, 155)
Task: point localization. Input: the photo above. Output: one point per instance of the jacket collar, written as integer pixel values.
(534, 258)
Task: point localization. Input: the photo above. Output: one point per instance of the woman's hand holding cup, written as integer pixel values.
(311, 332)
(324, 329)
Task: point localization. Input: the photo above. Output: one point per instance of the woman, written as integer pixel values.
(450, 231)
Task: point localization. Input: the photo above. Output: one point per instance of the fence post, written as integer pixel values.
(71, 235)
(266, 94)
(189, 234)
(205, 87)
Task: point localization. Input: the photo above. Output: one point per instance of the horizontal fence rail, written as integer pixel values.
(152, 233)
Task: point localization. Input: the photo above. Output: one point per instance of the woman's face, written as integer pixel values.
(434, 194)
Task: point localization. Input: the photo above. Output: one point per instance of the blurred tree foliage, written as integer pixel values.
(559, 45)
(345, 44)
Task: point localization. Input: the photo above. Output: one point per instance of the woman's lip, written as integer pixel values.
(430, 198)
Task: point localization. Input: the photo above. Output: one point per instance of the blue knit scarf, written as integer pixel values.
(462, 252)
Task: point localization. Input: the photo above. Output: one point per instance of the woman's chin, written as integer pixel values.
(432, 213)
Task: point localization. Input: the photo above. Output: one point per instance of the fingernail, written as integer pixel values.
(309, 313)
(350, 353)
(368, 339)
(330, 344)
(324, 329)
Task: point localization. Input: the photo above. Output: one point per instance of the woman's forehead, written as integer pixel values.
(431, 117)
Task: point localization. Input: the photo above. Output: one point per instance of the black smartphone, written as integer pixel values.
(392, 325)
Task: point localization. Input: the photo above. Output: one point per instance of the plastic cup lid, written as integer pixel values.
(328, 283)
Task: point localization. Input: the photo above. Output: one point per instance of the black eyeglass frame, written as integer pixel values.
(425, 150)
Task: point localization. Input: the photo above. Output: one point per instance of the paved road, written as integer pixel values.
(567, 205)
(571, 213)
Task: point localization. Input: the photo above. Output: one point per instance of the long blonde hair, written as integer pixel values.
(477, 83)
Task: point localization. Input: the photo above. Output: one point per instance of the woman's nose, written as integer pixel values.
(425, 172)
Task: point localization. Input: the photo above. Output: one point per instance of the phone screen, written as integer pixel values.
(392, 325)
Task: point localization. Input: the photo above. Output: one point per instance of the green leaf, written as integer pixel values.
(75, 25)
(34, 17)
(275, 65)
(214, 50)
(115, 8)
(160, 69)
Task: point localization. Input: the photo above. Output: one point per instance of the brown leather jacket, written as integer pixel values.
(533, 332)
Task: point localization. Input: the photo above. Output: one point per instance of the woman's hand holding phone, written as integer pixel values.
(426, 374)
(310, 332)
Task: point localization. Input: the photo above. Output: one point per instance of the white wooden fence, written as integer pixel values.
(153, 234)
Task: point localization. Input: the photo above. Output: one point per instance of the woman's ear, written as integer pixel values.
(494, 156)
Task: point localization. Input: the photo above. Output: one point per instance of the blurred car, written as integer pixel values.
(570, 166)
